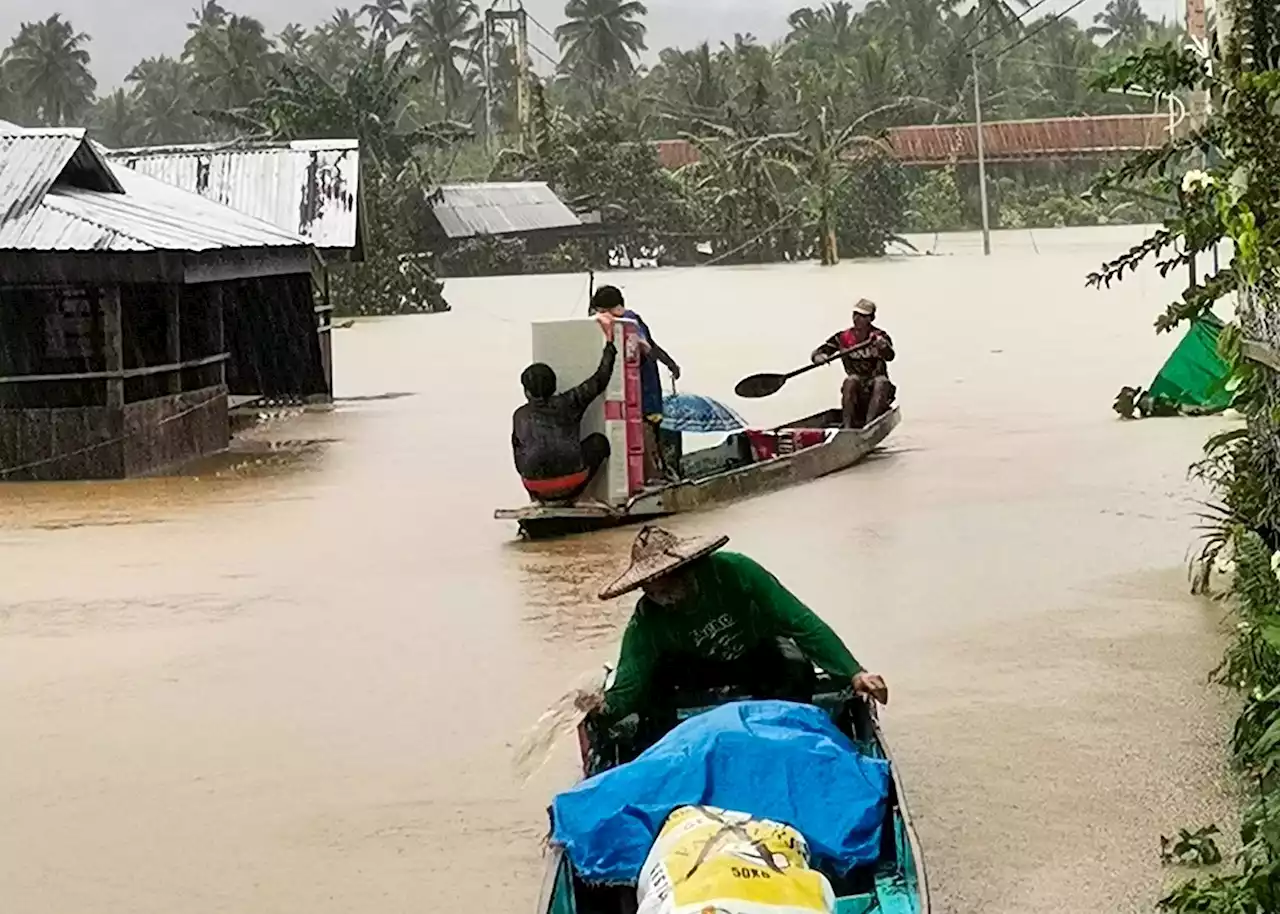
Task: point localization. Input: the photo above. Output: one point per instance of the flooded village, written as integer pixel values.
(264, 645)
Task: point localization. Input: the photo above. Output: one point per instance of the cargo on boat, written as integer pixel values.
(747, 463)
(889, 876)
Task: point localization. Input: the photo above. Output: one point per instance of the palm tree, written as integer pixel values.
(338, 46)
(116, 119)
(1122, 24)
(445, 36)
(165, 99)
(370, 104)
(49, 66)
(230, 56)
(292, 40)
(827, 32)
(384, 16)
(600, 41)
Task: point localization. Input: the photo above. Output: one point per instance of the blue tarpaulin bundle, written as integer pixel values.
(771, 759)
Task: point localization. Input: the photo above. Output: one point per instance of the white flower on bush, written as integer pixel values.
(1196, 180)
(1275, 564)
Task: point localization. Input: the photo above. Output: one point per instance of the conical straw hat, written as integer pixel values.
(657, 552)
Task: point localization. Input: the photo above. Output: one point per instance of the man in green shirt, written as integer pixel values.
(711, 618)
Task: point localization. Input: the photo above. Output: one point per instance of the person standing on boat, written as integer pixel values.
(867, 393)
(609, 300)
(710, 618)
(554, 462)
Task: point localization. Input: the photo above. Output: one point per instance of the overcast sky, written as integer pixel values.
(124, 31)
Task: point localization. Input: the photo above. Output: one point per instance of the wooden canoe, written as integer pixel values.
(714, 476)
(896, 884)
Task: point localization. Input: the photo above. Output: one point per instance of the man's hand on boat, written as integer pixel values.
(588, 702)
(872, 685)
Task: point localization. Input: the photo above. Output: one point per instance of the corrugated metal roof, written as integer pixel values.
(467, 210)
(32, 160)
(307, 187)
(87, 205)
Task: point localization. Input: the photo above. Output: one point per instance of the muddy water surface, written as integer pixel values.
(292, 683)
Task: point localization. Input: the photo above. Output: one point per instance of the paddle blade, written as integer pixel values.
(760, 385)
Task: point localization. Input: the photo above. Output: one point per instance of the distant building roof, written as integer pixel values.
(58, 193)
(308, 187)
(467, 210)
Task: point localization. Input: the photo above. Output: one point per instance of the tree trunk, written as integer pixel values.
(828, 246)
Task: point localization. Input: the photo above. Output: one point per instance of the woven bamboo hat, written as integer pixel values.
(657, 552)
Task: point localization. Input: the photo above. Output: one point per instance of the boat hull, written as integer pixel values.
(845, 448)
(896, 884)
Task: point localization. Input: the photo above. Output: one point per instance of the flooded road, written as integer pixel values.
(293, 684)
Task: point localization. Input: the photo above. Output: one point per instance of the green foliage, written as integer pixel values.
(1233, 197)
(483, 255)
(1192, 848)
(392, 279)
(933, 202)
(46, 72)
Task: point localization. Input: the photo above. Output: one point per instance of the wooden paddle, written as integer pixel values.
(763, 385)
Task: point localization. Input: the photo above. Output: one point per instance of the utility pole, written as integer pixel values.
(521, 19)
(982, 158)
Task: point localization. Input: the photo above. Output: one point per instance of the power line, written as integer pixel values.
(1016, 21)
(1036, 31)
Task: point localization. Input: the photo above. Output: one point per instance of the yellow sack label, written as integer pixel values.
(711, 860)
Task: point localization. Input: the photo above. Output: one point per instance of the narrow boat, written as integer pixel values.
(745, 464)
(894, 884)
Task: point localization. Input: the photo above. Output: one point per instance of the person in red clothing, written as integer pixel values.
(867, 393)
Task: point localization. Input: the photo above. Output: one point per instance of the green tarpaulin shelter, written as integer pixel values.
(1193, 381)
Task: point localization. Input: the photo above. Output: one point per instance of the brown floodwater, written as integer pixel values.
(293, 681)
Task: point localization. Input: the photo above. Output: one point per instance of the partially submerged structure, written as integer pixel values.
(129, 307)
(309, 188)
(528, 210)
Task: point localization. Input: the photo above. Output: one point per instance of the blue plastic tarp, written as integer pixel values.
(771, 759)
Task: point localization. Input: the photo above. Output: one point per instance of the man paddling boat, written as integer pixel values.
(710, 618)
(867, 393)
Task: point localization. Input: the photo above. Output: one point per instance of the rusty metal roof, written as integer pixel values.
(57, 193)
(1003, 141)
(307, 187)
(467, 210)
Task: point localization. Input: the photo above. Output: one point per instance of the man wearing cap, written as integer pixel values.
(609, 300)
(710, 618)
(867, 392)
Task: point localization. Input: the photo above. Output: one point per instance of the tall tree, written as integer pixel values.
(166, 101)
(338, 46)
(1122, 24)
(384, 16)
(445, 36)
(49, 66)
(600, 42)
(116, 119)
(230, 55)
(370, 104)
(292, 40)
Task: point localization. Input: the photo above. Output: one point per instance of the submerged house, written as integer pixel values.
(309, 188)
(129, 308)
(528, 210)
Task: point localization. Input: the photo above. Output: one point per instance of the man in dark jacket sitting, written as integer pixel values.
(554, 462)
